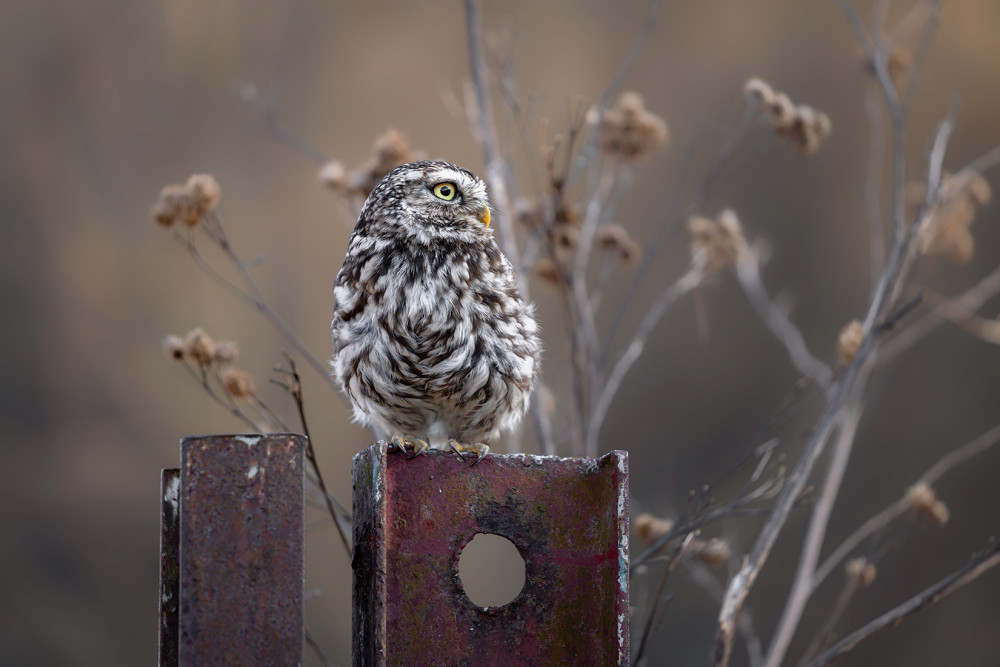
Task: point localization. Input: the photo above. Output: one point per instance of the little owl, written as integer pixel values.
(433, 344)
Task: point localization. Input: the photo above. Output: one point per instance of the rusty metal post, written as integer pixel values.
(568, 519)
(241, 572)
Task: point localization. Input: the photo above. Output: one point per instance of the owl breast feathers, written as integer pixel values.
(431, 337)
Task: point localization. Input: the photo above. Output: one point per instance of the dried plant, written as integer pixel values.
(569, 234)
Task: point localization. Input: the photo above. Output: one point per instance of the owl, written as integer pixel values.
(433, 344)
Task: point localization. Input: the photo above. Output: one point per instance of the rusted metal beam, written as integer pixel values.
(170, 520)
(241, 567)
(568, 519)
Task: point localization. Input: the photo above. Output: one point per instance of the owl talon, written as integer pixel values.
(478, 448)
(419, 446)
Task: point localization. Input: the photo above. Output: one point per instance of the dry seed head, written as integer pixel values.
(615, 239)
(925, 502)
(569, 215)
(939, 513)
(390, 150)
(564, 240)
(225, 352)
(168, 206)
(801, 125)
(650, 528)
(239, 384)
(849, 341)
(712, 552)
(199, 346)
(719, 241)
(628, 130)
(759, 91)
(946, 227)
(862, 570)
(528, 214)
(333, 175)
(188, 202)
(898, 63)
(782, 111)
(174, 347)
(548, 270)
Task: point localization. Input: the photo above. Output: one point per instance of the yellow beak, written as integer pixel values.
(484, 216)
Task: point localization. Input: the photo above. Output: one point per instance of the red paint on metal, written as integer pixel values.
(568, 519)
(242, 567)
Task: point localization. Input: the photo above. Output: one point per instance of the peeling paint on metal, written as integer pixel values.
(248, 440)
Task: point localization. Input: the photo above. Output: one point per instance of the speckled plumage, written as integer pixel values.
(431, 337)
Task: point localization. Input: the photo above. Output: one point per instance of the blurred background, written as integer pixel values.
(106, 102)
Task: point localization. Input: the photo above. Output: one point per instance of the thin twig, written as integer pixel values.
(802, 585)
(879, 521)
(748, 275)
(294, 388)
(980, 564)
(854, 375)
(702, 575)
(314, 645)
(688, 281)
(647, 627)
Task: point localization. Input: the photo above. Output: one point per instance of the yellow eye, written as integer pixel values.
(445, 191)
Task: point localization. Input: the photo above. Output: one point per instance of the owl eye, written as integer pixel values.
(445, 191)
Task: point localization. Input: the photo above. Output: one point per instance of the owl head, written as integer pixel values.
(428, 200)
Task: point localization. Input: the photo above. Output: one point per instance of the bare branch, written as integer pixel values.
(748, 274)
(658, 598)
(879, 521)
(688, 281)
(980, 564)
(487, 134)
(294, 388)
(854, 377)
(802, 586)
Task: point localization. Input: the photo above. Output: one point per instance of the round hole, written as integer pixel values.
(491, 570)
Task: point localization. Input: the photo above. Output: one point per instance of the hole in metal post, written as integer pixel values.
(491, 570)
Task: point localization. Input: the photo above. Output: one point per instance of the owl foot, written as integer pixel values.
(419, 446)
(478, 448)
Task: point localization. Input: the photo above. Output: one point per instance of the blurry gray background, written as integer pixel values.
(103, 103)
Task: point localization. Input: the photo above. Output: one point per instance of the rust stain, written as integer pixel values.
(568, 519)
(242, 567)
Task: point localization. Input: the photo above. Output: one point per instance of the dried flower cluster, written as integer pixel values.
(946, 228)
(563, 237)
(925, 502)
(628, 130)
(188, 202)
(650, 528)
(862, 570)
(717, 242)
(391, 149)
(614, 239)
(801, 125)
(239, 384)
(849, 341)
(199, 348)
(711, 552)
(899, 60)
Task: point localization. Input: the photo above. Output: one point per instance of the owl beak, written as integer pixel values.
(484, 215)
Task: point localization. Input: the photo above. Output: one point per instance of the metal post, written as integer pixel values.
(170, 524)
(568, 519)
(241, 573)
